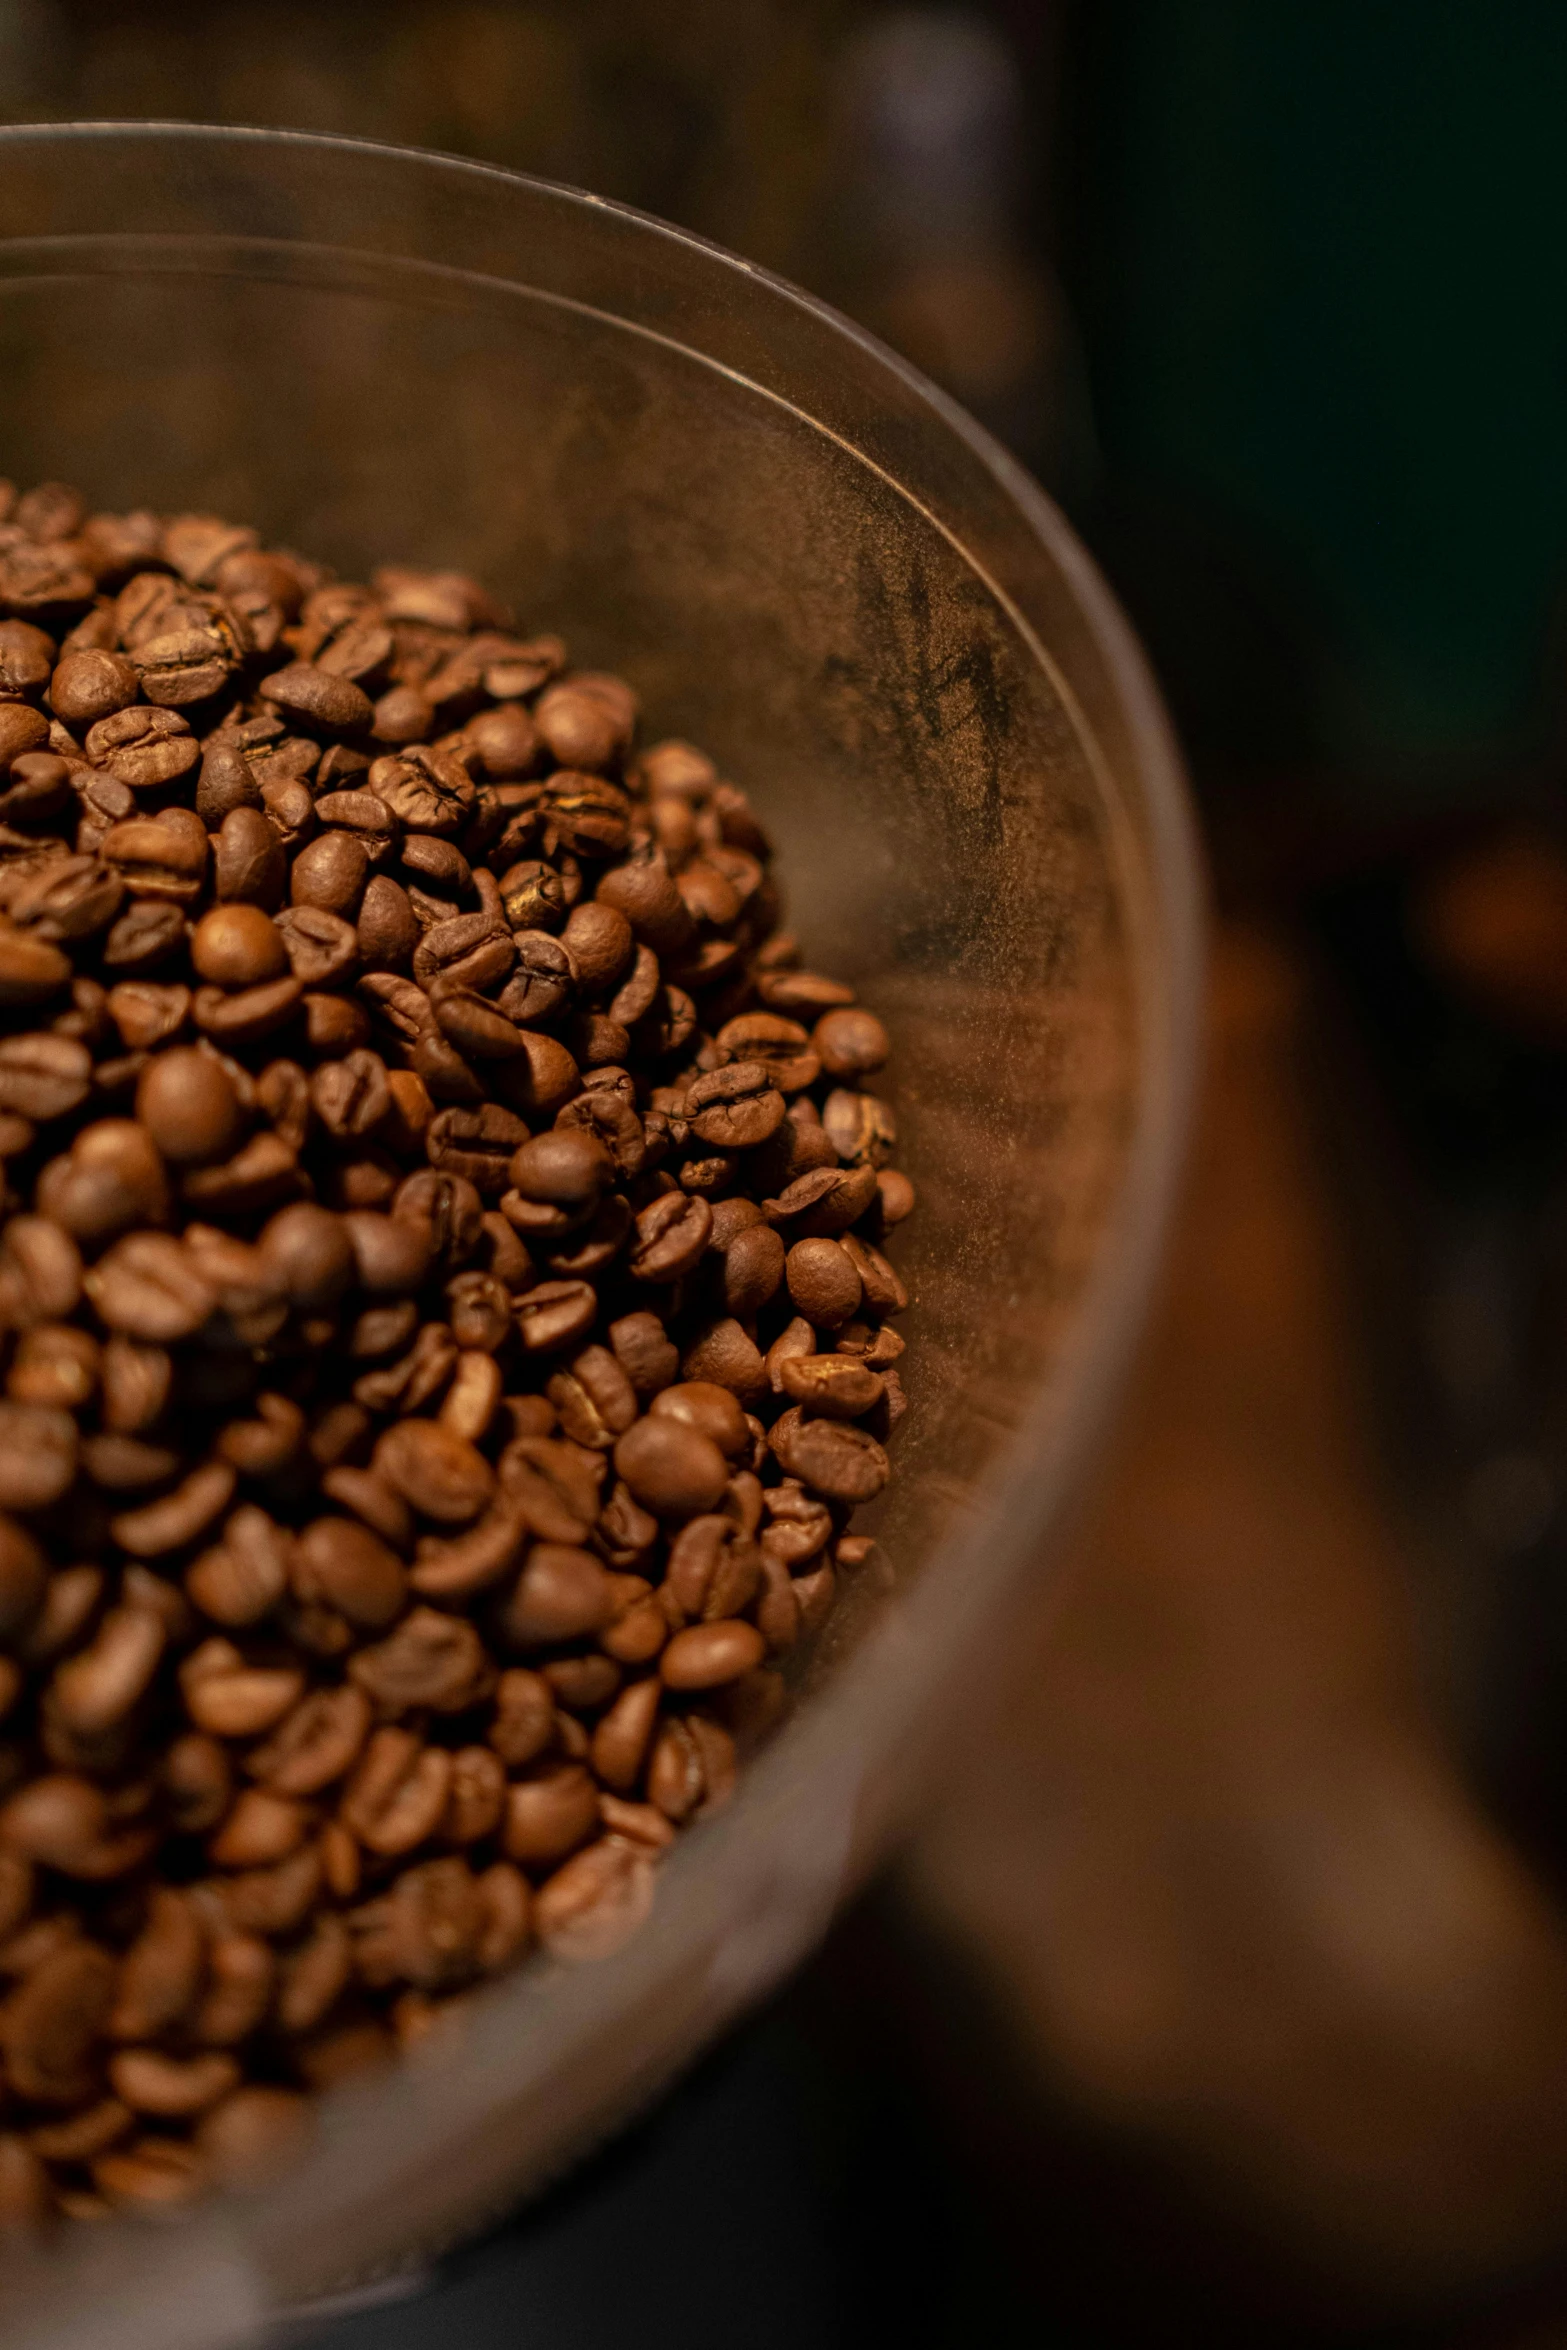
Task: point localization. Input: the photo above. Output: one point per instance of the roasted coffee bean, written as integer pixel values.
(511, 1018)
(313, 697)
(38, 1451)
(347, 1567)
(310, 1253)
(189, 1105)
(430, 1661)
(596, 1901)
(43, 1076)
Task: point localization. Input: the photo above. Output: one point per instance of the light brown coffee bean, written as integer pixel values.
(548, 1814)
(705, 1656)
(672, 1469)
(230, 1699)
(172, 2088)
(346, 1566)
(43, 1076)
(38, 1452)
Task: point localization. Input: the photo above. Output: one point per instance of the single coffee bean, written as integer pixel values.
(313, 697)
(238, 946)
(710, 1409)
(850, 1041)
(310, 1252)
(43, 1076)
(348, 1567)
(87, 686)
(331, 872)
(596, 1901)
(822, 1282)
(38, 1451)
(548, 1814)
(841, 1462)
(429, 1661)
(439, 1474)
(188, 1103)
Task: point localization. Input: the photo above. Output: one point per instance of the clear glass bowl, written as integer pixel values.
(813, 564)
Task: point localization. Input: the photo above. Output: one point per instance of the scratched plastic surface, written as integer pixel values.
(810, 563)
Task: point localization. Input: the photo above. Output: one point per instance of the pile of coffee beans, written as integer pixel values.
(443, 1320)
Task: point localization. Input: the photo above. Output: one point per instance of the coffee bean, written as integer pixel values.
(310, 1252)
(430, 1660)
(43, 1076)
(512, 1019)
(188, 1104)
(822, 1282)
(37, 1456)
(314, 697)
(439, 1474)
(549, 1813)
(851, 1042)
(238, 946)
(596, 1901)
(349, 1568)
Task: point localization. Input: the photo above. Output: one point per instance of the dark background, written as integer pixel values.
(1223, 1994)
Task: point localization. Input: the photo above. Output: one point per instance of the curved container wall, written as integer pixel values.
(808, 561)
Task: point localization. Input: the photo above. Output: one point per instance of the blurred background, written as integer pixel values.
(1223, 1991)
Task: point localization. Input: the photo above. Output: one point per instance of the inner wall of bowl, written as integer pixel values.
(774, 598)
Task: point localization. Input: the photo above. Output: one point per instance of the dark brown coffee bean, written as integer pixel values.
(144, 937)
(555, 1314)
(567, 1169)
(474, 1026)
(40, 1272)
(533, 896)
(322, 948)
(884, 1292)
(595, 1399)
(36, 790)
(248, 860)
(180, 1517)
(314, 697)
(143, 748)
(187, 1102)
(561, 1594)
(672, 1234)
(147, 1287)
(21, 730)
(477, 1145)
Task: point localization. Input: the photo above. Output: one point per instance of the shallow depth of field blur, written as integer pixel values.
(1223, 1997)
